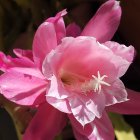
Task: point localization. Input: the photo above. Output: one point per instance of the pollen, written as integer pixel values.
(95, 84)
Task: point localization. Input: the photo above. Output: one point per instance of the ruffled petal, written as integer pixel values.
(22, 88)
(105, 22)
(126, 53)
(123, 51)
(56, 89)
(88, 61)
(132, 106)
(73, 30)
(59, 25)
(82, 114)
(62, 60)
(86, 107)
(99, 129)
(47, 65)
(116, 93)
(46, 124)
(60, 104)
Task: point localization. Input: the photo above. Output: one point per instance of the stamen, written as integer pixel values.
(94, 84)
(99, 82)
(80, 83)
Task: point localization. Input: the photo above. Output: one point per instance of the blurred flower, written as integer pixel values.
(78, 77)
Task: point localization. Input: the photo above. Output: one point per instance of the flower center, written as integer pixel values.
(99, 82)
(76, 82)
(94, 84)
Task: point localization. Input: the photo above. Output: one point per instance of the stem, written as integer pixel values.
(20, 115)
(122, 129)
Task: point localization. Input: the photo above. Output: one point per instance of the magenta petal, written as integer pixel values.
(44, 41)
(59, 25)
(46, 124)
(57, 17)
(22, 88)
(29, 71)
(98, 129)
(73, 30)
(7, 62)
(132, 106)
(24, 53)
(23, 64)
(78, 135)
(105, 22)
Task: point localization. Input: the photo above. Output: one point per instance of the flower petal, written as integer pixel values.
(60, 104)
(59, 25)
(23, 64)
(24, 53)
(86, 107)
(44, 41)
(56, 89)
(88, 61)
(78, 135)
(7, 62)
(46, 66)
(23, 88)
(116, 93)
(99, 129)
(132, 106)
(105, 23)
(29, 71)
(73, 30)
(46, 124)
(126, 53)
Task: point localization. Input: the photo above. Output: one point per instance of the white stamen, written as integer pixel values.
(94, 84)
(99, 82)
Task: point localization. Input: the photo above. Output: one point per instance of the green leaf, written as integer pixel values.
(123, 130)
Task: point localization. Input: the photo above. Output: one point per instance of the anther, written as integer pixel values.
(99, 81)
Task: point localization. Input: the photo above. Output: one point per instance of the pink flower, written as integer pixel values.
(84, 76)
(77, 75)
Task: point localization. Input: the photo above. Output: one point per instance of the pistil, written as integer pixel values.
(95, 84)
